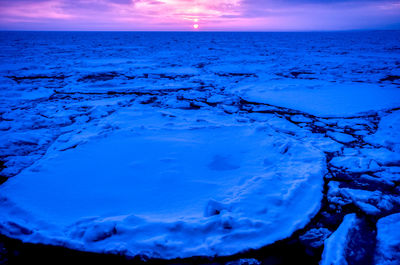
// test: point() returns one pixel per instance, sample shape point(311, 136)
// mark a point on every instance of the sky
point(199, 15)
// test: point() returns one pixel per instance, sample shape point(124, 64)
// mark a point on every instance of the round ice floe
point(167, 193)
point(322, 99)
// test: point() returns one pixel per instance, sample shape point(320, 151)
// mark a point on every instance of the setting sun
point(196, 26)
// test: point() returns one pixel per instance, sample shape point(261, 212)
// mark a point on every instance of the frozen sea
point(167, 145)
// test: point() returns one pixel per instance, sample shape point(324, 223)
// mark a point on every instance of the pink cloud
point(209, 14)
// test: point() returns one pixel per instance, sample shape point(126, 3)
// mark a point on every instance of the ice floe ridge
point(171, 151)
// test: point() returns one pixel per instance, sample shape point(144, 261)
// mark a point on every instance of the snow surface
point(388, 240)
point(388, 133)
point(325, 100)
point(168, 193)
point(179, 144)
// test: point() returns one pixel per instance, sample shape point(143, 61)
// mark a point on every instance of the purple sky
point(235, 15)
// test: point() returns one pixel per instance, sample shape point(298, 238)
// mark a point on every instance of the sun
point(196, 26)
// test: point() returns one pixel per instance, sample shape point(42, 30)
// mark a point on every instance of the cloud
point(212, 14)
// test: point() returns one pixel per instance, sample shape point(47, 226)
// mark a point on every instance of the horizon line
point(203, 31)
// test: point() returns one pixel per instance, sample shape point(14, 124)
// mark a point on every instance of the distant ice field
point(330, 74)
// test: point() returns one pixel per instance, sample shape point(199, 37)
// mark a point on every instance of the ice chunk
point(335, 245)
point(315, 237)
point(244, 262)
point(168, 193)
point(341, 137)
point(327, 100)
point(388, 133)
point(388, 240)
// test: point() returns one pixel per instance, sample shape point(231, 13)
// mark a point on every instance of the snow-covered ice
point(388, 133)
point(388, 237)
point(336, 245)
point(326, 100)
point(168, 192)
point(181, 144)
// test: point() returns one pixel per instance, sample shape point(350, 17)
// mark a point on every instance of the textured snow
point(341, 137)
point(179, 144)
point(388, 240)
point(167, 192)
point(388, 133)
point(325, 100)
